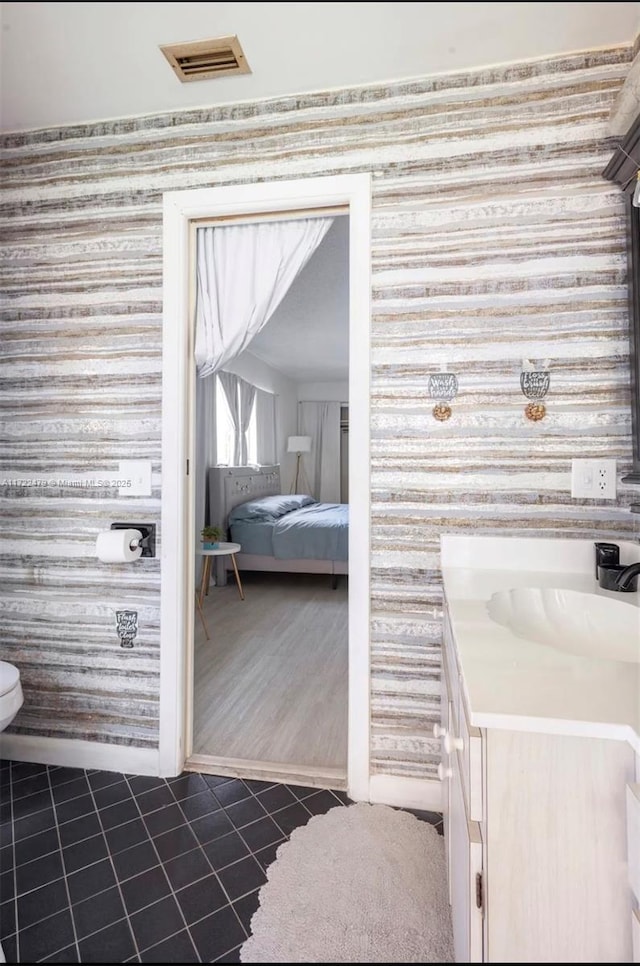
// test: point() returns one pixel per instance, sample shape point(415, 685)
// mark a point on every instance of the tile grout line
point(239, 830)
point(73, 799)
point(252, 853)
point(196, 922)
point(90, 864)
point(56, 784)
point(197, 848)
point(120, 851)
point(208, 860)
point(88, 936)
point(167, 784)
point(161, 863)
point(286, 838)
point(64, 867)
point(166, 938)
point(28, 892)
point(172, 936)
point(267, 815)
point(298, 801)
point(271, 815)
point(42, 855)
point(277, 785)
point(78, 817)
point(15, 867)
point(232, 950)
point(124, 906)
point(49, 915)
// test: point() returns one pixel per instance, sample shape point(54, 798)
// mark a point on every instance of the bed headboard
point(231, 485)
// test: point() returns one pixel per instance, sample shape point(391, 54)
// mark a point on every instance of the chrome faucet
point(626, 576)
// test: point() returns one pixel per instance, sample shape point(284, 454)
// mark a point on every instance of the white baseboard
point(406, 792)
point(75, 753)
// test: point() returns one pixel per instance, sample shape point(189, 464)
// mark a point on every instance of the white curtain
point(243, 273)
point(247, 396)
point(266, 427)
point(229, 383)
point(205, 452)
point(321, 421)
point(240, 396)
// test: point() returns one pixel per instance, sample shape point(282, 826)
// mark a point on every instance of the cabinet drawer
point(633, 837)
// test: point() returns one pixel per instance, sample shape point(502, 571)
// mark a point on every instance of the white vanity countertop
point(517, 684)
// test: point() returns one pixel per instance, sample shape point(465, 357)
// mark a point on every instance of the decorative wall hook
point(443, 387)
point(534, 383)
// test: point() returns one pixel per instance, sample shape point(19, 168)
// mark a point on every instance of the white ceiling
point(307, 337)
point(71, 62)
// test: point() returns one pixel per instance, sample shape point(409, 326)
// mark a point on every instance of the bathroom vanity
point(540, 738)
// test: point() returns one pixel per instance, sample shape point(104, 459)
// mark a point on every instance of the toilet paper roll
point(114, 546)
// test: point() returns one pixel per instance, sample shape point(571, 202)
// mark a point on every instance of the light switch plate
point(137, 473)
point(593, 479)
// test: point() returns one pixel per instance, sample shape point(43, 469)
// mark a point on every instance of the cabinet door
point(633, 837)
point(465, 865)
point(446, 724)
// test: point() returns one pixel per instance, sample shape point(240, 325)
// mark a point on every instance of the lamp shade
point(299, 444)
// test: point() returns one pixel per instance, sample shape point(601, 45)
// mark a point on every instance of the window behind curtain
point(225, 431)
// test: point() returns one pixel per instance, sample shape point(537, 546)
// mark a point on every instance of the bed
point(286, 533)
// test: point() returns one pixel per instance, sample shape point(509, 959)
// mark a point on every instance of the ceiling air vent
point(203, 59)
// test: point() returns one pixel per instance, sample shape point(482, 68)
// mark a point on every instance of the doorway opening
point(184, 738)
point(271, 634)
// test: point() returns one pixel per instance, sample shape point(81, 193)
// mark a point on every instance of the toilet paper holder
point(148, 531)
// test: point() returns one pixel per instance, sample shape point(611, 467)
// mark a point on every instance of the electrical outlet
point(593, 479)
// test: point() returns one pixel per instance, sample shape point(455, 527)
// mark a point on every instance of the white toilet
point(11, 698)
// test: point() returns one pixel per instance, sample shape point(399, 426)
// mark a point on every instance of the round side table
point(220, 551)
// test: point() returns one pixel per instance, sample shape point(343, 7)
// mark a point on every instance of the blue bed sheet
point(254, 536)
point(316, 532)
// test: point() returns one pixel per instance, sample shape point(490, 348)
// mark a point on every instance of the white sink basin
point(590, 625)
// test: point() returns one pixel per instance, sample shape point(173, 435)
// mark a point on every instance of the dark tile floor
point(98, 867)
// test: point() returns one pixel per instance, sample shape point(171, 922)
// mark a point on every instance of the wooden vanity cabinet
point(538, 836)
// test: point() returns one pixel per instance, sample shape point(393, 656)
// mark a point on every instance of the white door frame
point(177, 537)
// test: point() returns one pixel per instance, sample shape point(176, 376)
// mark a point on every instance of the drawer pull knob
point(444, 773)
point(439, 731)
point(452, 744)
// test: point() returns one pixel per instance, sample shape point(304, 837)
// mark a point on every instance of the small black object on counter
point(607, 555)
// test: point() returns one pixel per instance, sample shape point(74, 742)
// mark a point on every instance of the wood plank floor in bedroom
point(271, 684)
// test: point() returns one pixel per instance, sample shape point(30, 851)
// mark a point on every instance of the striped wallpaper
point(494, 239)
